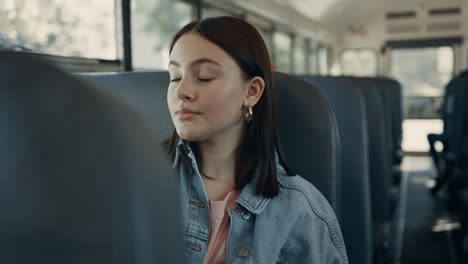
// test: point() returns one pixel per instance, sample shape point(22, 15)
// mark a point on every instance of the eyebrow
point(196, 62)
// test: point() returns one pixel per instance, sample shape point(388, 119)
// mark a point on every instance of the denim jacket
point(297, 226)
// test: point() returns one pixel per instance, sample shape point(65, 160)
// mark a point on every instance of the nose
point(185, 91)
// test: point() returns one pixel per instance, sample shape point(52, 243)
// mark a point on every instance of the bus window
point(300, 49)
point(323, 60)
point(282, 46)
point(214, 12)
point(84, 29)
point(312, 60)
point(267, 38)
point(359, 62)
point(423, 73)
point(153, 25)
point(265, 28)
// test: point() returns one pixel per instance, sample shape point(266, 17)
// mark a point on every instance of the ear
point(255, 89)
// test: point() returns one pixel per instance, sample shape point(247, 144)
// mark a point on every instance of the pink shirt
point(220, 223)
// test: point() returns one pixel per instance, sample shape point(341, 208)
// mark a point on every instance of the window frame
point(204, 5)
point(123, 31)
point(193, 13)
point(290, 35)
point(323, 71)
point(406, 113)
point(300, 42)
point(82, 64)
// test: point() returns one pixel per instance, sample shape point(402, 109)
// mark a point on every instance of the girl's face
point(207, 90)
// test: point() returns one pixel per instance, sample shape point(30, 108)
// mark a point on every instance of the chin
point(190, 135)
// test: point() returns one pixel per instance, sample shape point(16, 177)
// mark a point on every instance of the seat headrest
point(349, 109)
point(309, 134)
point(145, 92)
point(82, 180)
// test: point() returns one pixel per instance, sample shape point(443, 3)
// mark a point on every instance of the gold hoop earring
point(248, 114)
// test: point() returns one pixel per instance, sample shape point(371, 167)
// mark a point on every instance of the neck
point(219, 158)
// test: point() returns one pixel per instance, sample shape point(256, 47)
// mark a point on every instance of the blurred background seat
point(348, 107)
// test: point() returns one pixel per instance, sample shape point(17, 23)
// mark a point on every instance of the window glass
point(266, 36)
point(214, 12)
point(282, 47)
point(85, 28)
point(359, 62)
point(423, 74)
point(300, 56)
point(264, 28)
point(323, 61)
point(154, 23)
point(313, 61)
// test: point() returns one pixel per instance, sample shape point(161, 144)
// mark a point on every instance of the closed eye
point(205, 79)
point(175, 80)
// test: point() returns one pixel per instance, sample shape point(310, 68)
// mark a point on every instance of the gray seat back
point(145, 92)
point(397, 113)
point(449, 107)
point(348, 106)
point(385, 91)
point(391, 92)
point(379, 157)
point(82, 179)
point(456, 121)
point(309, 135)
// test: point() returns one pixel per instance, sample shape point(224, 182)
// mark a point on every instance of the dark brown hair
point(260, 141)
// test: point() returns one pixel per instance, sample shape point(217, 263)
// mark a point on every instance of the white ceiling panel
point(339, 13)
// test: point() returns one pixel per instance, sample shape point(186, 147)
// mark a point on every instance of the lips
point(186, 113)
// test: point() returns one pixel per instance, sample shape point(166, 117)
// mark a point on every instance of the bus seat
point(145, 92)
point(397, 120)
point(82, 180)
point(309, 135)
point(460, 117)
point(348, 106)
point(442, 160)
point(386, 95)
point(390, 94)
point(459, 179)
point(457, 147)
point(449, 107)
point(391, 91)
point(449, 115)
point(379, 156)
point(454, 120)
point(383, 196)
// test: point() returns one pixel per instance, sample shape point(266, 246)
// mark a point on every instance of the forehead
point(192, 46)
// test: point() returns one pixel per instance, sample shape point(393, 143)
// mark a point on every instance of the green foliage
point(55, 26)
point(164, 18)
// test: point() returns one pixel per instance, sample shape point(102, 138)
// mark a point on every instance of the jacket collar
point(254, 203)
point(183, 148)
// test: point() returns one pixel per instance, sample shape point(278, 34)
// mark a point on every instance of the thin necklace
point(204, 174)
point(214, 179)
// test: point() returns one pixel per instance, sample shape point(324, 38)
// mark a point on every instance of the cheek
point(224, 104)
point(172, 104)
point(170, 98)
